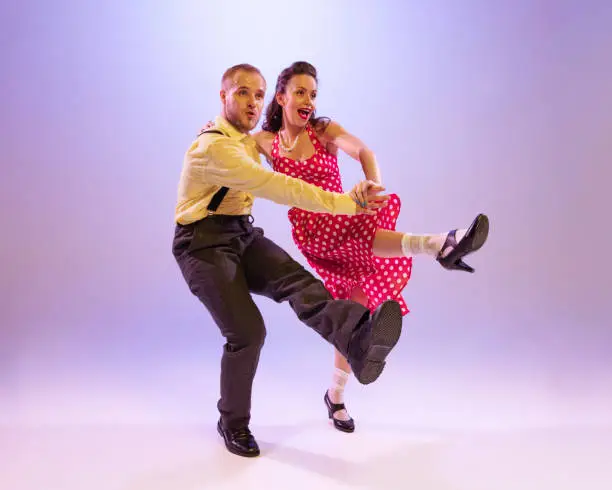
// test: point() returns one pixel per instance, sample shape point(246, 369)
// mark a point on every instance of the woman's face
point(299, 100)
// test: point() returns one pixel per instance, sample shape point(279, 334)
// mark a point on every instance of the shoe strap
point(334, 407)
point(451, 241)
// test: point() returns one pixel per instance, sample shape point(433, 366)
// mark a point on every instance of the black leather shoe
point(332, 408)
point(374, 341)
point(473, 240)
point(239, 441)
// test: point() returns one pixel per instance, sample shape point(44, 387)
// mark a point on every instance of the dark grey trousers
point(223, 260)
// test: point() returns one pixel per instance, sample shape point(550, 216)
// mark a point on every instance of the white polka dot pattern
point(339, 248)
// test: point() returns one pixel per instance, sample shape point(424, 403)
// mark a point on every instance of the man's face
point(243, 99)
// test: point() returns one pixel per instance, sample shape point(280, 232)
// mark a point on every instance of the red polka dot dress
point(339, 248)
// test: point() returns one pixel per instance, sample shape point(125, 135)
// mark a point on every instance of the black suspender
point(217, 198)
point(220, 194)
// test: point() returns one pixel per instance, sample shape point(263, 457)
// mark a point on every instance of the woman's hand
point(367, 195)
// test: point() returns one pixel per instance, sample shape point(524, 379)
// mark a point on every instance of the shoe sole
point(385, 334)
point(474, 239)
point(342, 429)
point(481, 233)
point(232, 450)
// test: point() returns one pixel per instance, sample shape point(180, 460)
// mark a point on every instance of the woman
point(362, 257)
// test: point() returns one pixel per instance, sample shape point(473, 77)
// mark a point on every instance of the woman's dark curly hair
point(273, 121)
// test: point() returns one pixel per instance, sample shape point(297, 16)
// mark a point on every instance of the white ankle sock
point(427, 244)
point(339, 379)
point(336, 391)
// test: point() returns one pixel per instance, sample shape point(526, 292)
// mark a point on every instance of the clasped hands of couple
point(367, 195)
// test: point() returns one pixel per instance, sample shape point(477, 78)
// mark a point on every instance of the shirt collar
point(229, 130)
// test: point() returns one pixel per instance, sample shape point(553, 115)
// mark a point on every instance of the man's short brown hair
point(230, 72)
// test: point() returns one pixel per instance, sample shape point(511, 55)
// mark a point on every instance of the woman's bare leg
point(342, 369)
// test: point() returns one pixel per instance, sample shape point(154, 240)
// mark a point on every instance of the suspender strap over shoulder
point(220, 194)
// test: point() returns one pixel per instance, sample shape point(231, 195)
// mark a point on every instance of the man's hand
point(367, 195)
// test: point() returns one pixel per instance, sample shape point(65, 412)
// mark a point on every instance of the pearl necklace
point(290, 148)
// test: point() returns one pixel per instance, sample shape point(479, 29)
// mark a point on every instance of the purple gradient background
point(499, 107)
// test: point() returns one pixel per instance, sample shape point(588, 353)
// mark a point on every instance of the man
point(224, 259)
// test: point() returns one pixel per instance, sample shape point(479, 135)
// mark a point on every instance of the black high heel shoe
point(474, 238)
point(332, 408)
